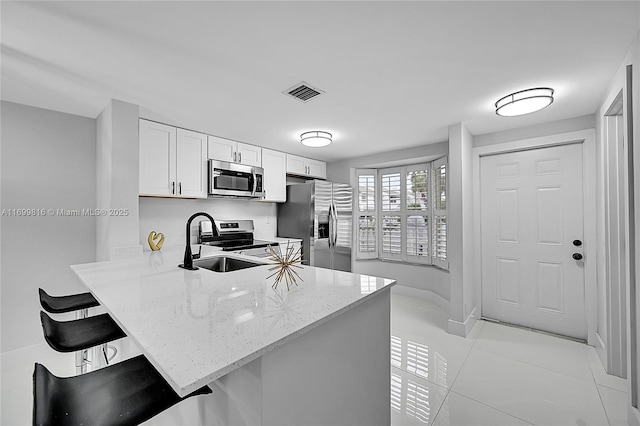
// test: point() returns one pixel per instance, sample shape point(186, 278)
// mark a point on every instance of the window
point(367, 235)
point(402, 213)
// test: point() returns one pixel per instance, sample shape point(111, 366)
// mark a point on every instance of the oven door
point(234, 180)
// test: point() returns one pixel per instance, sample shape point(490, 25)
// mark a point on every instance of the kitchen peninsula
point(317, 354)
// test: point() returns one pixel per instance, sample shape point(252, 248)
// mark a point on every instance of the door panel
point(532, 210)
point(342, 200)
point(321, 201)
point(508, 280)
point(342, 259)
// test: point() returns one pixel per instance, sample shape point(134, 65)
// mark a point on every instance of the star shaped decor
point(284, 264)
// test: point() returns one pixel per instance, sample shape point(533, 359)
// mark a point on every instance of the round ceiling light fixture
point(524, 102)
point(315, 139)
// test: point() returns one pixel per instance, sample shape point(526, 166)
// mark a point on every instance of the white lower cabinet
point(173, 162)
point(307, 167)
point(274, 164)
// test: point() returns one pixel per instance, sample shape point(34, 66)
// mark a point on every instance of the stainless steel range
point(234, 236)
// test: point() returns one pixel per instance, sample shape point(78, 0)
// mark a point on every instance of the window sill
point(401, 262)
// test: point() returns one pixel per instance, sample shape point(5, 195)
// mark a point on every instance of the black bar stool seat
point(62, 304)
point(70, 336)
point(126, 393)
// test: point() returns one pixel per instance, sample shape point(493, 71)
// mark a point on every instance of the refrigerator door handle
point(330, 236)
point(334, 216)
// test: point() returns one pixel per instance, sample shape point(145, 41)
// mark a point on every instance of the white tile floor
point(499, 375)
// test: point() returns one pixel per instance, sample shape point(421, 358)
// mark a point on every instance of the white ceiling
point(396, 74)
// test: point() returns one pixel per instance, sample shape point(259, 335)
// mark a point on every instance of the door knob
point(576, 256)
point(577, 243)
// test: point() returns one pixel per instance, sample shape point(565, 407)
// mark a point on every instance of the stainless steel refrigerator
point(320, 213)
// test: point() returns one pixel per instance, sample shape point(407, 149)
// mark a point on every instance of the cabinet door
point(221, 149)
point(157, 158)
point(316, 168)
point(249, 154)
point(191, 160)
point(296, 165)
point(275, 175)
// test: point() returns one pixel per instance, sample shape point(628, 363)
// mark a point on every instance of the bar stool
point(75, 335)
point(80, 303)
point(62, 304)
point(127, 393)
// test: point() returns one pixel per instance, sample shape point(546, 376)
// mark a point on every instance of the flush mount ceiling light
point(315, 138)
point(524, 102)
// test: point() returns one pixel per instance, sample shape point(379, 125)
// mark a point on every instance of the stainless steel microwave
point(235, 180)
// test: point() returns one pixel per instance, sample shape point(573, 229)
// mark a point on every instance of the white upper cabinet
point(234, 152)
point(274, 180)
point(157, 158)
point(301, 166)
point(172, 161)
point(249, 154)
point(191, 160)
point(221, 149)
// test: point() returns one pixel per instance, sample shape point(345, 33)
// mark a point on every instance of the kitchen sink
point(224, 264)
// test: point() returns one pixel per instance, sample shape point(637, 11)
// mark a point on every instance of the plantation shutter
point(439, 250)
point(366, 207)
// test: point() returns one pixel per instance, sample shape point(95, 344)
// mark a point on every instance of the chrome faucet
point(188, 256)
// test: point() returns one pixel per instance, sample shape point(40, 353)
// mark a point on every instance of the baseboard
point(418, 293)
point(633, 416)
point(601, 351)
point(463, 329)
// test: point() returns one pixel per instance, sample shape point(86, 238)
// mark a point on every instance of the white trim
point(462, 329)
point(633, 416)
point(418, 293)
point(588, 139)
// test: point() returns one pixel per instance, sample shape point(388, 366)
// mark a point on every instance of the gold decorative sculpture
point(156, 240)
point(284, 264)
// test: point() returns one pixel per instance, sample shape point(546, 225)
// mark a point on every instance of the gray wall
point(545, 129)
point(47, 162)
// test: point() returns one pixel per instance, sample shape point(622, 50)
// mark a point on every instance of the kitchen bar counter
point(198, 326)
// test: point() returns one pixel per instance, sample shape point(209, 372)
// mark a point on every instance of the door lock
point(577, 256)
point(577, 243)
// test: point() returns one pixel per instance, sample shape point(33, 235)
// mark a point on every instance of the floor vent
point(303, 92)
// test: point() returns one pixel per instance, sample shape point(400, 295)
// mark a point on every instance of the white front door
point(531, 217)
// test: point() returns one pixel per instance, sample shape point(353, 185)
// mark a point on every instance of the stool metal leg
point(82, 356)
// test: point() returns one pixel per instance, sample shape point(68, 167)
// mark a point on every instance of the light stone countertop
point(197, 326)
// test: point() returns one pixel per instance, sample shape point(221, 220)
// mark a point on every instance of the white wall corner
point(463, 328)
point(117, 163)
point(460, 220)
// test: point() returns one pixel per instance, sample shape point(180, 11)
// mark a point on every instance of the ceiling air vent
point(303, 92)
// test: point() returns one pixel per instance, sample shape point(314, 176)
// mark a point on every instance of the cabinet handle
point(180, 188)
point(173, 188)
point(239, 157)
point(234, 157)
